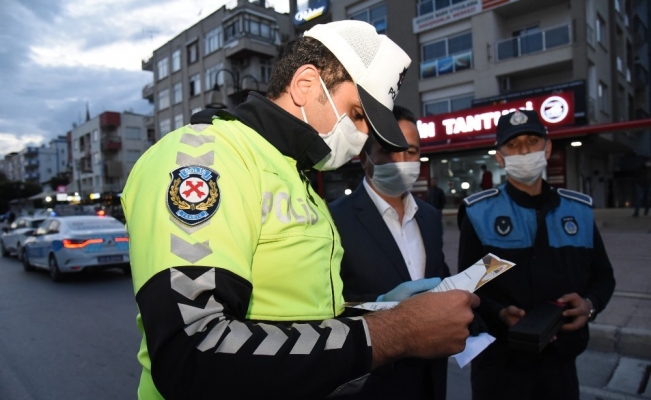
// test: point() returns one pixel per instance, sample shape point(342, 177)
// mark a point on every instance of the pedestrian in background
point(435, 195)
point(643, 187)
point(486, 179)
point(393, 248)
point(559, 256)
point(235, 258)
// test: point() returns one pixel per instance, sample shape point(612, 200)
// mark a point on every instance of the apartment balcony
point(31, 163)
point(538, 42)
point(109, 120)
point(148, 64)
point(148, 92)
point(84, 165)
point(446, 65)
point(32, 176)
point(245, 45)
point(111, 144)
point(31, 151)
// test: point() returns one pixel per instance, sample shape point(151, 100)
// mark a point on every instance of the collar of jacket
point(548, 199)
point(291, 136)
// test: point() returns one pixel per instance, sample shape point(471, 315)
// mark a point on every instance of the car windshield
point(95, 224)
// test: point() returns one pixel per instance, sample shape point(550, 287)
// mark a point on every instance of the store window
point(448, 55)
point(444, 106)
point(376, 16)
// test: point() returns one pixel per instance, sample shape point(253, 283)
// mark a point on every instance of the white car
point(76, 243)
point(14, 236)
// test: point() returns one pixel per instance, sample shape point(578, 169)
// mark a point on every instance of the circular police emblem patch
point(193, 196)
point(570, 226)
point(503, 225)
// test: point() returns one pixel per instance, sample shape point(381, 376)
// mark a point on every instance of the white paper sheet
point(474, 346)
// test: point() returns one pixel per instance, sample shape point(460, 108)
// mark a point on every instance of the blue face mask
point(394, 179)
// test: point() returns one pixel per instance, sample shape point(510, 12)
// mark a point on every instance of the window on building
point(429, 6)
point(132, 156)
point(163, 99)
point(95, 135)
point(600, 30)
point(447, 55)
point(259, 27)
point(444, 106)
point(76, 144)
point(178, 121)
point(602, 94)
point(193, 52)
point(97, 160)
point(176, 60)
point(265, 70)
point(376, 16)
point(164, 127)
point(132, 132)
point(195, 85)
point(212, 74)
point(231, 30)
point(213, 40)
point(162, 68)
point(177, 93)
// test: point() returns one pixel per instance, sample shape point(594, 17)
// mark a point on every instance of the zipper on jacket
point(332, 235)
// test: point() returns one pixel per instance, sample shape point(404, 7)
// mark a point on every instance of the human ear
point(548, 150)
point(303, 84)
point(499, 158)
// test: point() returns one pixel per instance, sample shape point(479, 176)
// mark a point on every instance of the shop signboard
point(307, 10)
point(554, 109)
point(454, 12)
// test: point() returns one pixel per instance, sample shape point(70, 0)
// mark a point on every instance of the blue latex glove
point(409, 288)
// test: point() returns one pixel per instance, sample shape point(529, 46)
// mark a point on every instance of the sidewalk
point(618, 361)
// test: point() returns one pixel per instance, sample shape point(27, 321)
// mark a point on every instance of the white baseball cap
point(378, 67)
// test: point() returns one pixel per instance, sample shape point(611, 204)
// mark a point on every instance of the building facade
point(582, 64)
point(104, 149)
point(215, 62)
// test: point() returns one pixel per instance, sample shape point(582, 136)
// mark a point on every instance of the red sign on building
point(554, 110)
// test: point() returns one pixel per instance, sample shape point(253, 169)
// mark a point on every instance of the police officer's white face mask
point(394, 179)
point(344, 140)
point(526, 168)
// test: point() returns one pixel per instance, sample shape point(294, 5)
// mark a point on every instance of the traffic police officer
point(551, 237)
point(235, 258)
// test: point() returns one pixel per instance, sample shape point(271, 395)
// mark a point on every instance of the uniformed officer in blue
point(551, 236)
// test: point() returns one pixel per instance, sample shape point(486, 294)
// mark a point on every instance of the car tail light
point(79, 243)
point(121, 239)
point(101, 213)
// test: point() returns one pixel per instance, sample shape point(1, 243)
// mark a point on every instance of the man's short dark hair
point(403, 114)
point(305, 50)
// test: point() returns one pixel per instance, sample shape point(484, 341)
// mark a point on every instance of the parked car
point(72, 244)
point(15, 234)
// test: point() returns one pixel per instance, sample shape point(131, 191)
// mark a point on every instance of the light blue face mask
point(394, 179)
point(344, 140)
point(526, 168)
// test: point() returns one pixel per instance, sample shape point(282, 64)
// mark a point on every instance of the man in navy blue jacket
point(551, 236)
point(392, 241)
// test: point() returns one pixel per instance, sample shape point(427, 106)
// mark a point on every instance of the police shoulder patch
point(193, 195)
point(570, 226)
point(577, 196)
point(474, 198)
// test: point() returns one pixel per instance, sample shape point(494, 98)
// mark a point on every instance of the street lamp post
point(217, 99)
